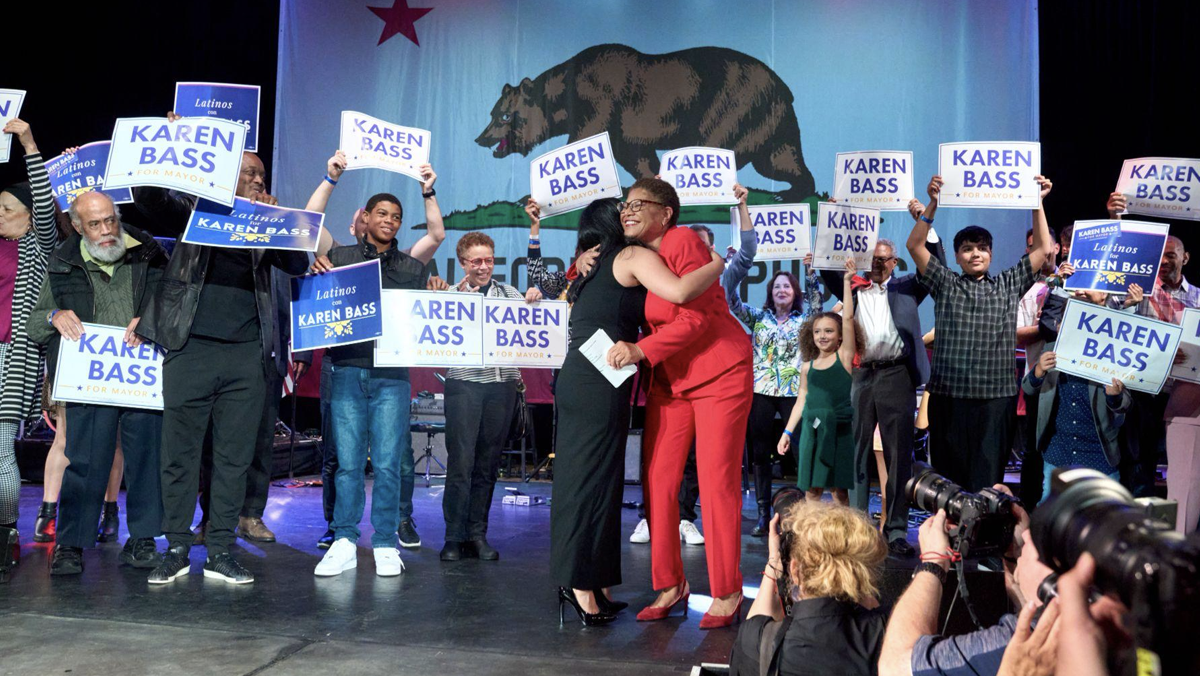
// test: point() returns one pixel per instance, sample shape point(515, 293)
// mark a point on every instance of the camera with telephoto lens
point(980, 524)
point(1154, 570)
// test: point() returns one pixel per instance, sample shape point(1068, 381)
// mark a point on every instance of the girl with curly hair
point(828, 344)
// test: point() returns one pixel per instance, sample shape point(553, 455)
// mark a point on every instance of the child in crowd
point(1077, 420)
point(828, 345)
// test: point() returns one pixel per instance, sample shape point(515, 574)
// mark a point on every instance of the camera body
point(981, 524)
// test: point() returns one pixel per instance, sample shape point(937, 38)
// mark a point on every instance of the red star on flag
point(399, 18)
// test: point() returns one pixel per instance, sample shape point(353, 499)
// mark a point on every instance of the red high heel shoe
point(717, 621)
point(652, 613)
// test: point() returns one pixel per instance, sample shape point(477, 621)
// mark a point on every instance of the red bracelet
point(950, 555)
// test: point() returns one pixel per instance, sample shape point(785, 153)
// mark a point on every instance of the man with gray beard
point(105, 273)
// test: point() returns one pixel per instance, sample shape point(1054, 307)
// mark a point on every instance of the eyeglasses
point(481, 262)
point(636, 205)
point(880, 260)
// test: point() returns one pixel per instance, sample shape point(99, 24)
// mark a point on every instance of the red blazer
point(690, 345)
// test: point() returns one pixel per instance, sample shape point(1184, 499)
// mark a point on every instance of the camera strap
point(770, 645)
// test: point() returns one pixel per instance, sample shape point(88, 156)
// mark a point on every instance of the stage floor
point(450, 618)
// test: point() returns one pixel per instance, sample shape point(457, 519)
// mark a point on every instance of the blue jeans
point(1115, 475)
point(370, 413)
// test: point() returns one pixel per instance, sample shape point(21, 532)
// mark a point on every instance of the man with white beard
point(105, 273)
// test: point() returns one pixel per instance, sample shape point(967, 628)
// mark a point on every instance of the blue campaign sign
point(237, 103)
point(1099, 344)
point(1110, 255)
point(73, 175)
point(339, 307)
point(253, 225)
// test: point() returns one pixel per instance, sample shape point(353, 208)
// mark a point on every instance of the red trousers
point(714, 415)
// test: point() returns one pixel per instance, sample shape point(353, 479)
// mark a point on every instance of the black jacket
point(905, 294)
point(72, 287)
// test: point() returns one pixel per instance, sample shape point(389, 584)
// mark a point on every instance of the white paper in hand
point(596, 349)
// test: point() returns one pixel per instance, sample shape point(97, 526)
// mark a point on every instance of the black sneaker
point(326, 540)
point(47, 522)
point(66, 561)
point(140, 553)
point(408, 535)
point(480, 549)
point(224, 567)
point(175, 563)
point(452, 551)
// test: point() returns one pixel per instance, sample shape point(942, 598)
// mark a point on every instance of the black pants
point(478, 418)
point(329, 463)
point(689, 490)
point(885, 397)
point(258, 475)
point(1140, 439)
point(224, 383)
point(764, 440)
point(970, 439)
point(1032, 465)
point(91, 445)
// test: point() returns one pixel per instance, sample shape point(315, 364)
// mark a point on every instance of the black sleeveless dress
point(593, 423)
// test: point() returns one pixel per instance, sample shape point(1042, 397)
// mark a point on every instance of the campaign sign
point(700, 175)
point(990, 175)
point(1099, 344)
point(1189, 347)
point(339, 307)
point(73, 175)
point(1161, 186)
point(783, 231)
point(10, 107)
point(431, 328)
point(253, 225)
point(843, 230)
point(574, 175)
point(1111, 255)
point(874, 178)
point(197, 155)
point(372, 143)
point(100, 368)
point(238, 103)
point(529, 335)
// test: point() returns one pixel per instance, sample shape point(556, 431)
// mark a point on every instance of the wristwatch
point(429, 194)
point(931, 567)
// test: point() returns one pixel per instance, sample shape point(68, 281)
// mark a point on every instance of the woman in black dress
point(593, 416)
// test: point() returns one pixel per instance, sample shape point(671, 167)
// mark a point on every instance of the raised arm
point(43, 223)
point(849, 343)
point(921, 226)
point(320, 198)
point(646, 268)
point(435, 228)
point(1043, 244)
point(739, 266)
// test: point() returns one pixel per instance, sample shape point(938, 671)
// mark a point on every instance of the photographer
point(912, 644)
point(833, 558)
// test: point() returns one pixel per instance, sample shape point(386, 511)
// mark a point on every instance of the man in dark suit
point(894, 364)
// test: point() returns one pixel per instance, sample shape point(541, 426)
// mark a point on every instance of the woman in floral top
point(775, 328)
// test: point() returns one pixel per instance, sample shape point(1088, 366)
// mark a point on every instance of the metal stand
point(430, 429)
point(291, 480)
point(548, 463)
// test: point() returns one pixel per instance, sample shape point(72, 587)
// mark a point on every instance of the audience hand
point(1134, 295)
point(622, 354)
point(1065, 269)
point(428, 177)
point(20, 128)
point(1044, 184)
point(1082, 646)
point(585, 260)
point(435, 283)
point(1115, 389)
point(785, 443)
point(774, 560)
point(933, 539)
point(1045, 363)
point(808, 259)
point(740, 193)
point(915, 208)
point(320, 265)
point(132, 339)
point(172, 117)
point(336, 165)
point(533, 295)
point(934, 189)
point(534, 211)
point(851, 267)
point(68, 325)
point(1033, 653)
point(1116, 204)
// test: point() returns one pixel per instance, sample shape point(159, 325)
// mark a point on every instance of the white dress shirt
point(874, 316)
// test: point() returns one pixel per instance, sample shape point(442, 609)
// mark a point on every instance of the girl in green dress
point(828, 343)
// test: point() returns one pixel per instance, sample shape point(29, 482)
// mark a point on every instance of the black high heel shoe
point(567, 597)
point(607, 606)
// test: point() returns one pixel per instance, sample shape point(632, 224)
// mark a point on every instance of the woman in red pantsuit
point(700, 389)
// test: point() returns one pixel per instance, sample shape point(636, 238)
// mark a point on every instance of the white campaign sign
point(990, 175)
point(197, 155)
point(1161, 186)
point(430, 328)
point(1189, 347)
point(700, 175)
point(10, 107)
point(575, 175)
point(529, 335)
point(874, 178)
point(843, 231)
point(783, 231)
point(1099, 344)
point(372, 143)
point(100, 368)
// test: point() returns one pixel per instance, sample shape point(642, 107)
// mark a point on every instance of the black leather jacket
point(168, 319)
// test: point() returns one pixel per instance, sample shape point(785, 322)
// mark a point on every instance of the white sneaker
point(387, 562)
point(689, 533)
point(342, 556)
point(641, 534)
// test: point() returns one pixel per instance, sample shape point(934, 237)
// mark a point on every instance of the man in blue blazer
point(894, 364)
